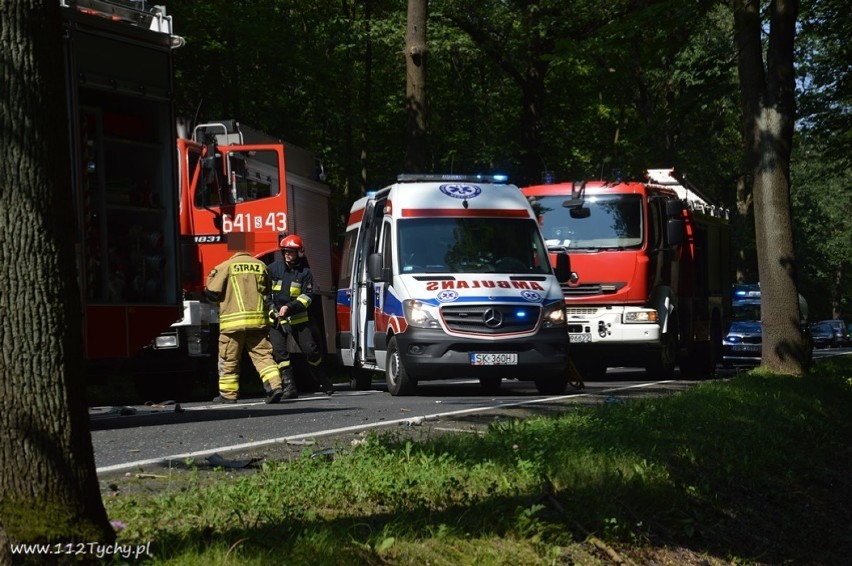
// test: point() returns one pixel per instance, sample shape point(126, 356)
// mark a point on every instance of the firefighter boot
point(288, 383)
point(325, 384)
point(274, 396)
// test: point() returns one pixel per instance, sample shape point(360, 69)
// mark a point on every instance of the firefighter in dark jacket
point(239, 285)
point(292, 294)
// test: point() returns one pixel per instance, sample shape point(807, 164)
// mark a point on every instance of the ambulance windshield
point(613, 222)
point(471, 245)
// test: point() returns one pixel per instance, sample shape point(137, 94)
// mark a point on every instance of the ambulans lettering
point(246, 268)
point(483, 284)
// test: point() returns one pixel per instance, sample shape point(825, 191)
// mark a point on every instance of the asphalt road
point(144, 437)
point(127, 438)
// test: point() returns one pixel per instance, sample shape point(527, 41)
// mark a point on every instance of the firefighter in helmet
point(292, 294)
point(239, 284)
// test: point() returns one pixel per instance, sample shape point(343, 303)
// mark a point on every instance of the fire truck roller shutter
point(310, 218)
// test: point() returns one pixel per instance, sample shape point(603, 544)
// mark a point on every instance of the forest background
point(578, 88)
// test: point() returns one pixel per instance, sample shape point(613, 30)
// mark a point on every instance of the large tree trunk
point(768, 101)
point(415, 88)
point(48, 487)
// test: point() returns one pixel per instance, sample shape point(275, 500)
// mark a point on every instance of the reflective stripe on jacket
point(293, 287)
point(239, 285)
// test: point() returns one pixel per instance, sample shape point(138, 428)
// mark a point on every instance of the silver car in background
point(742, 344)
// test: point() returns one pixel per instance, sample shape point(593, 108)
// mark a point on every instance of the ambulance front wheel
point(399, 382)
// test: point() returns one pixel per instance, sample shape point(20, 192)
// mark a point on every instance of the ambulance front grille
point(491, 319)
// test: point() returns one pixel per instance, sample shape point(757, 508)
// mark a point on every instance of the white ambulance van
point(447, 276)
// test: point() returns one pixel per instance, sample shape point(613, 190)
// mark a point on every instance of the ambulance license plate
point(493, 359)
point(580, 337)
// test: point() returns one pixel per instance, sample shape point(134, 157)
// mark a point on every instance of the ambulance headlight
point(419, 314)
point(640, 317)
point(554, 315)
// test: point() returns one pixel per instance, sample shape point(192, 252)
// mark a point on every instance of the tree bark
point(768, 105)
point(366, 102)
point(48, 486)
point(415, 89)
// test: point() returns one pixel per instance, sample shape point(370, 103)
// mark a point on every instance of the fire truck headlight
point(641, 317)
point(554, 315)
point(418, 314)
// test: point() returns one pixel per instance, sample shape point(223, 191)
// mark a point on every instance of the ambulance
point(448, 276)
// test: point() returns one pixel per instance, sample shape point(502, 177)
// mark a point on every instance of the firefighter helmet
point(291, 241)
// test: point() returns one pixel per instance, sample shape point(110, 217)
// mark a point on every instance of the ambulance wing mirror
point(562, 269)
point(376, 270)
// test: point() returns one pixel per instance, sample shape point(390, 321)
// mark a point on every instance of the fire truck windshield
point(471, 245)
point(613, 222)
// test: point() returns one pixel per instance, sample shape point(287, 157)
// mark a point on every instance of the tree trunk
point(48, 486)
point(366, 102)
point(533, 92)
point(768, 103)
point(415, 88)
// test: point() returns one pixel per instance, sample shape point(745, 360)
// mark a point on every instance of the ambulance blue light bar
point(435, 178)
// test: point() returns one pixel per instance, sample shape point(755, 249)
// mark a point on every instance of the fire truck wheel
point(360, 379)
point(490, 385)
point(552, 385)
point(399, 382)
point(661, 361)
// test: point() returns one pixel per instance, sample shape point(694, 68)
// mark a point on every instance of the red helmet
point(291, 241)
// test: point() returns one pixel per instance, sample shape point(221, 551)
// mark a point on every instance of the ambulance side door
point(380, 290)
point(363, 294)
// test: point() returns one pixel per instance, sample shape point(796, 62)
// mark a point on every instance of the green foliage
point(820, 170)
point(625, 86)
point(706, 464)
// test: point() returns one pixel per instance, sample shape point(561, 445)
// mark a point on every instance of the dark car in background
point(841, 332)
point(742, 344)
point(823, 335)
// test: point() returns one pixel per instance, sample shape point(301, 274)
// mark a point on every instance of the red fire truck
point(236, 182)
point(651, 283)
point(155, 207)
point(119, 95)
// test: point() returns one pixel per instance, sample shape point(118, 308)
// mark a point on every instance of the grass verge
point(754, 470)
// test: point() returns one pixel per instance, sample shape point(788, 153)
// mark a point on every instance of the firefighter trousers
point(231, 345)
point(303, 334)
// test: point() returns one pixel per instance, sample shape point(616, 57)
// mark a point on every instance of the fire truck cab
point(651, 272)
point(237, 182)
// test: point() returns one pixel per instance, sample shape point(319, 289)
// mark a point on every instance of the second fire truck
point(651, 283)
